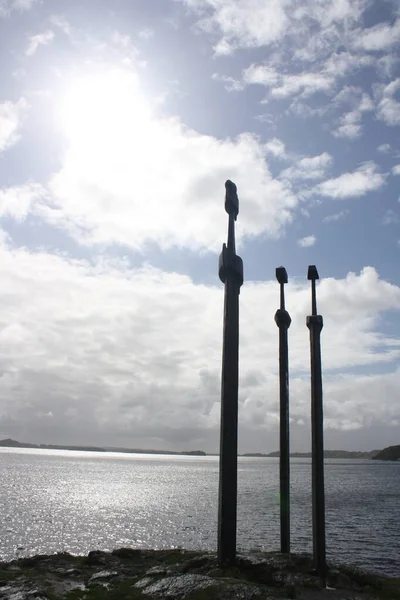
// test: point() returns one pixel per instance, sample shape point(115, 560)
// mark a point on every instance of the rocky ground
point(183, 575)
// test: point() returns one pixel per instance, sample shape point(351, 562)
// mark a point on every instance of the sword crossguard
point(230, 261)
point(282, 318)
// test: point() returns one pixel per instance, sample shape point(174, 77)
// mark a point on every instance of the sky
point(119, 124)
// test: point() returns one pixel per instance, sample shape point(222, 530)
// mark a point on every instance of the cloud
point(242, 24)
point(285, 85)
point(265, 118)
point(61, 22)
point(8, 6)
point(388, 109)
point(351, 185)
point(22, 5)
point(323, 78)
point(335, 216)
point(387, 65)
point(310, 167)
point(307, 242)
point(18, 201)
point(146, 33)
point(390, 218)
point(130, 177)
point(254, 23)
point(379, 37)
point(11, 117)
point(139, 363)
point(129, 52)
point(230, 83)
point(275, 147)
point(343, 413)
point(260, 74)
point(396, 170)
point(384, 148)
point(349, 126)
point(350, 122)
point(304, 83)
point(41, 39)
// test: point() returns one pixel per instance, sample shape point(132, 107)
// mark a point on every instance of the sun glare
point(104, 109)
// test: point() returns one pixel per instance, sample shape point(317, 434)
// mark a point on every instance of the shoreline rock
point(129, 573)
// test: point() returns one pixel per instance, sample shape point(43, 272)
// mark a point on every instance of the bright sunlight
point(105, 109)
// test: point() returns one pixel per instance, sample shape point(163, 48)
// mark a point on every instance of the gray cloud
point(111, 355)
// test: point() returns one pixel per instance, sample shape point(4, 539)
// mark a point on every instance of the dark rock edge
point(129, 573)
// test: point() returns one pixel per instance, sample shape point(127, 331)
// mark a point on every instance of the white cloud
point(335, 216)
point(358, 412)
point(350, 126)
point(8, 6)
point(285, 85)
point(307, 242)
point(379, 37)
point(350, 122)
point(146, 33)
point(390, 218)
point(22, 5)
point(387, 65)
point(304, 83)
point(275, 147)
point(129, 52)
point(140, 365)
point(243, 23)
point(41, 39)
point(265, 118)
point(384, 148)
point(61, 22)
point(230, 83)
point(18, 201)
point(388, 109)
point(323, 78)
point(340, 64)
point(366, 103)
point(310, 167)
point(254, 23)
point(130, 177)
point(350, 185)
point(260, 74)
point(11, 117)
point(396, 170)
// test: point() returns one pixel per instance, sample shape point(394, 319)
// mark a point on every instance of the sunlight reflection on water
point(79, 501)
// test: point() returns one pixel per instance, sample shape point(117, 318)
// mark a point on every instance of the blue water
point(55, 500)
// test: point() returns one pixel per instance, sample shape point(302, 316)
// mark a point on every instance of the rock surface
point(129, 573)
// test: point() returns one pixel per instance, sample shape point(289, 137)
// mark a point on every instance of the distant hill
point(389, 453)
point(327, 454)
point(9, 443)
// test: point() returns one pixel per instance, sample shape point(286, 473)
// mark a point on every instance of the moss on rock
point(133, 574)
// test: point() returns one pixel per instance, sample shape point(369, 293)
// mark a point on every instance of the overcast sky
point(119, 124)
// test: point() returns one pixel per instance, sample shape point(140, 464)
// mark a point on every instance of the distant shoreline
point(10, 443)
point(327, 454)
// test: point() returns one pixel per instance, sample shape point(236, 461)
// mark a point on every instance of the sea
point(55, 500)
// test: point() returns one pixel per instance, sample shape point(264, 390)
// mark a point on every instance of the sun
point(104, 109)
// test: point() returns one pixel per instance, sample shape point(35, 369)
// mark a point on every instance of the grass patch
point(390, 590)
point(119, 590)
point(174, 557)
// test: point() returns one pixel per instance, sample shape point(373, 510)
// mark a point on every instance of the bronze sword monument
point(283, 320)
point(231, 275)
point(315, 324)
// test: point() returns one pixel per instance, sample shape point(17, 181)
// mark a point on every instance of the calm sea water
point(79, 501)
